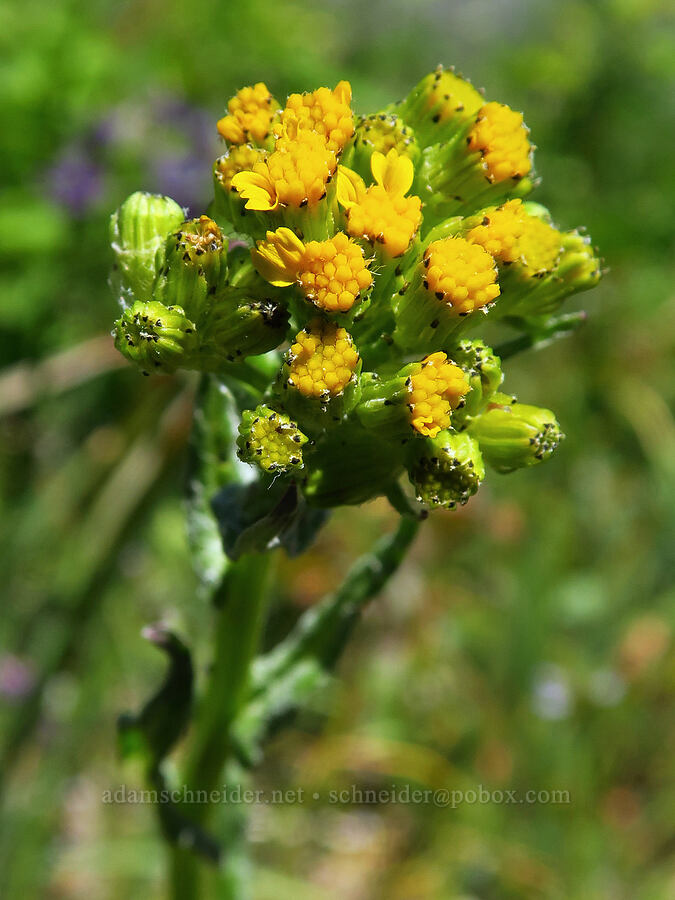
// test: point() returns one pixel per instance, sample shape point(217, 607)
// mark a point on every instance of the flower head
point(331, 274)
point(237, 159)
point(325, 112)
point(460, 274)
point(501, 137)
point(270, 439)
point(296, 173)
point(435, 390)
point(250, 114)
point(384, 132)
point(511, 234)
point(382, 213)
point(322, 360)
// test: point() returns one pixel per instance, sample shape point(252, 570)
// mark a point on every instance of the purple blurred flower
point(17, 677)
point(75, 181)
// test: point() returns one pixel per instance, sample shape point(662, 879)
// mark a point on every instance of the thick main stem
point(240, 605)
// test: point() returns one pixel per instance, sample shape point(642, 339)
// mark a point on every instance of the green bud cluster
point(338, 282)
point(183, 307)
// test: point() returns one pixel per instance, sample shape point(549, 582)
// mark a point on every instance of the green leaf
point(271, 708)
point(153, 732)
point(266, 513)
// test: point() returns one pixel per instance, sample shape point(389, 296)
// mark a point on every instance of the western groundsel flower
point(376, 246)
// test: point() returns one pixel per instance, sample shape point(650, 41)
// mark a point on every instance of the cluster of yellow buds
point(340, 275)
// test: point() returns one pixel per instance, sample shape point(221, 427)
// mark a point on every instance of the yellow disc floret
point(385, 132)
point(326, 112)
point(301, 167)
point(510, 234)
point(387, 219)
point(501, 137)
point(460, 274)
point(540, 246)
point(250, 114)
point(322, 360)
point(500, 231)
point(435, 390)
point(237, 159)
point(334, 273)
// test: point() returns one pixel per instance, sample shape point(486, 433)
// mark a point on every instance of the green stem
point(240, 605)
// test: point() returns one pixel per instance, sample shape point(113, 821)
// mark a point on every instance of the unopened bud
point(446, 470)
point(195, 267)
point(515, 435)
point(138, 231)
point(236, 328)
point(439, 106)
point(156, 337)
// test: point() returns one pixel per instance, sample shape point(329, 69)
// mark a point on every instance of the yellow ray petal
point(343, 92)
point(278, 258)
point(395, 173)
point(257, 189)
point(350, 187)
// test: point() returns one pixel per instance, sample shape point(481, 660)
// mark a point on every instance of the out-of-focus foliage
point(525, 646)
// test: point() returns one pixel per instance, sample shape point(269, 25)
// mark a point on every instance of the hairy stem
point(240, 603)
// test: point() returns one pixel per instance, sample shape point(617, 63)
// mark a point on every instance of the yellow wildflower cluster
point(338, 275)
point(462, 275)
point(322, 360)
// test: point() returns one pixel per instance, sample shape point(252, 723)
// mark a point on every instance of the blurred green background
point(527, 643)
